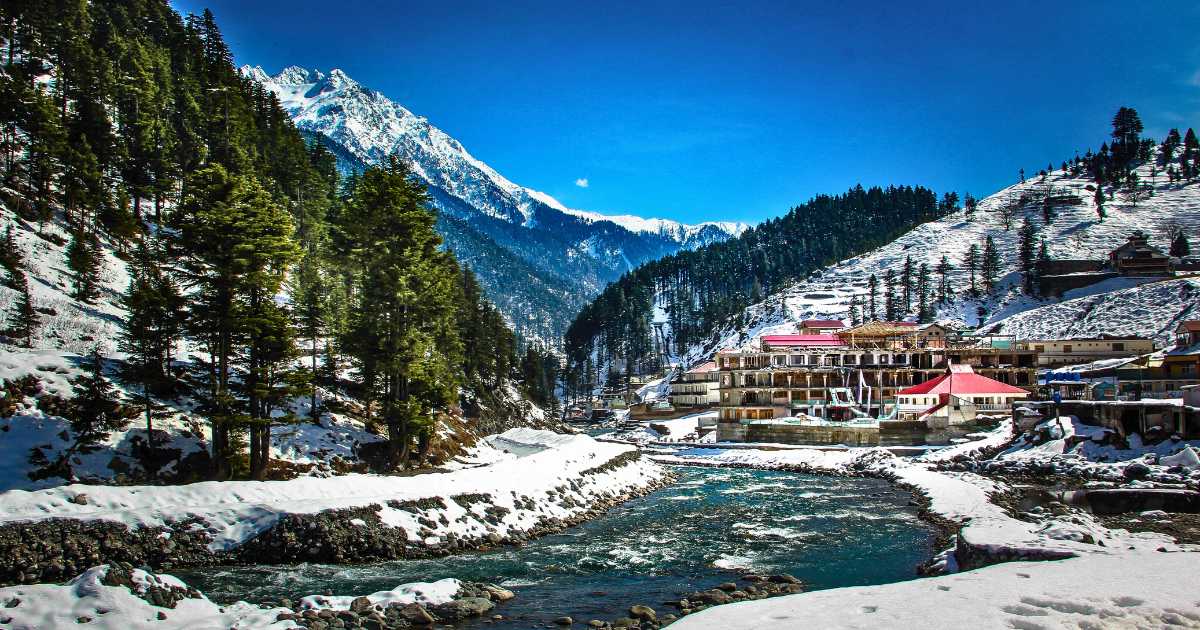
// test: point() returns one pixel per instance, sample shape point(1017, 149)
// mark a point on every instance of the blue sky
point(737, 111)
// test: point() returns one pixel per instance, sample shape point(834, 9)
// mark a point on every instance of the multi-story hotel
point(856, 372)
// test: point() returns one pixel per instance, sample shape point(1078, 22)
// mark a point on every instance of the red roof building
point(819, 326)
point(960, 382)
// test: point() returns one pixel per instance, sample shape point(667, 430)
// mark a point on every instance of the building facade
point(698, 387)
point(1058, 352)
point(856, 373)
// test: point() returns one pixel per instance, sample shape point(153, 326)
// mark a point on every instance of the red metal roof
point(1191, 325)
point(802, 340)
point(960, 381)
point(703, 367)
point(823, 323)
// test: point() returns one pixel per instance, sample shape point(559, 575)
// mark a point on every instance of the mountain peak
point(255, 73)
point(296, 75)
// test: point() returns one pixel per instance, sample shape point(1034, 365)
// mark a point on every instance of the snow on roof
point(801, 340)
point(961, 379)
point(823, 323)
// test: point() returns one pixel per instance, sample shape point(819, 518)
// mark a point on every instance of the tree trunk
point(312, 403)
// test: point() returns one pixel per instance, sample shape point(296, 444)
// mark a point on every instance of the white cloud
point(582, 182)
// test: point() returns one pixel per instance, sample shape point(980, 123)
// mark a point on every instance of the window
point(1118, 347)
point(1066, 349)
point(1039, 348)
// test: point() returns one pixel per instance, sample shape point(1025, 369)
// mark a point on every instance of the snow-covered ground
point(525, 463)
point(90, 599)
point(1093, 592)
point(1151, 310)
point(671, 430)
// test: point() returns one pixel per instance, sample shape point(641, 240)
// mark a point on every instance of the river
point(709, 527)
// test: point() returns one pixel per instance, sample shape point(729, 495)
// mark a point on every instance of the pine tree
point(236, 246)
point(404, 326)
point(943, 270)
point(1027, 252)
point(890, 306)
point(872, 293)
point(924, 313)
point(94, 410)
point(83, 259)
point(150, 331)
point(24, 320)
point(989, 266)
point(12, 260)
point(855, 310)
point(1098, 199)
point(309, 291)
point(906, 283)
point(970, 204)
point(1180, 246)
point(971, 264)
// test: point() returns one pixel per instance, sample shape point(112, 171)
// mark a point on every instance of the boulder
point(563, 621)
point(416, 615)
point(465, 608)
point(361, 605)
point(498, 594)
point(645, 613)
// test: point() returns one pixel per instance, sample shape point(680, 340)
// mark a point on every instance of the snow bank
point(425, 593)
point(45, 606)
point(1094, 592)
point(232, 512)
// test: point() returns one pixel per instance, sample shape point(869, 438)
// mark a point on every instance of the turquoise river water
point(708, 528)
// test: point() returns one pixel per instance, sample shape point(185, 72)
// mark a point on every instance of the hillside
point(1152, 310)
point(1075, 232)
point(188, 290)
point(559, 246)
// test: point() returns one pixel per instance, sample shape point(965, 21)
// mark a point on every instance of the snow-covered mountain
point(1075, 232)
point(538, 259)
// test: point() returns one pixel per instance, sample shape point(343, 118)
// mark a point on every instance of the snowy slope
point(1151, 310)
point(537, 259)
point(1075, 233)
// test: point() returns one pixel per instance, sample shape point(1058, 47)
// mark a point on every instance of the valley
point(278, 351)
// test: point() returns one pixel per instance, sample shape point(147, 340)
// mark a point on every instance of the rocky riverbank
point(539, 483)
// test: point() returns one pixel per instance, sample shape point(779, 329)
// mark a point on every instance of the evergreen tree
point(943, 270)
point(1098, 199)
point(890, 307)
point(12, 260)
point(404, 325)
point(906, 282)
point(855, 310)
point(989, 265)
point(970, 204)
point(971, 264)
point(24, 320)
point(1027, 252)
point(236, 246)
point(1180, 246)
point(872, 293)
point(94, 410)
point(151, 330)
point(924, 312)
point(83, 259)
